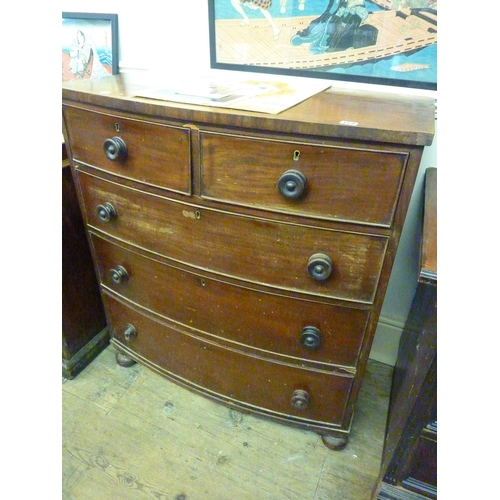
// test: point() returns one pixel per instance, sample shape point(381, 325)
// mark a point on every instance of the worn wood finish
point(428, 252)
point(228, 235)
point(409, 463)
point(269, 324)
point(265, 387)
point(148, 161)
point(232, 172)
point(410, 452)
point(167, 227)
point(130, 434)
point(379, 117)
point(84, 333)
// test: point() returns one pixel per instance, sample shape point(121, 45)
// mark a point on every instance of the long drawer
point(336, 183)
point(294, 257)
point(300, 394)
point(290, 329)
point(156, 154)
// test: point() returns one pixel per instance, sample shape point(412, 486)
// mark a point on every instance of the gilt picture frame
point(89, 45)
point(386, 42)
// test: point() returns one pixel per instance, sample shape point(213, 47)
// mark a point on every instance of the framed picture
point(387, 42)
point(89, 45)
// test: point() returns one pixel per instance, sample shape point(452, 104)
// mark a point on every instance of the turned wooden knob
point(106, 212)
point(130, 332)
point(118, 275)
point(310, 337)
point(300, 399)
point(115, 149)
point(292, 184)
point(320, 266)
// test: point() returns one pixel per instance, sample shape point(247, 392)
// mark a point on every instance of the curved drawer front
point(255, 250)
point(344, 184)
point(264, 385)
point(264, 323)
point(156, 154)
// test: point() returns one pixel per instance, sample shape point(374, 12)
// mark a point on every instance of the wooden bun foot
point(124, 360)
point(334, 443)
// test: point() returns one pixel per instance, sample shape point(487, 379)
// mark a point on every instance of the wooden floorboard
point(128, 433)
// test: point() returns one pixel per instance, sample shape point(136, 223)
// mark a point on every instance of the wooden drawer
point(256, 250)
point(156, 154)
point(341, 183)
point(235, 377)
point(263, 323)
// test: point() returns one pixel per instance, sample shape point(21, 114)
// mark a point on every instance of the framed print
point(89, 45)
point(387, 42)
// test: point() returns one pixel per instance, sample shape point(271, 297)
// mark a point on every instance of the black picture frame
point(313, 41)
point(86, 35)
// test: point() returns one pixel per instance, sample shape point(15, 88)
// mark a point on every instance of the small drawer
point(293, 257)
point(328, 182)
point(266, 324)
point(146, 152)
point(261, 385)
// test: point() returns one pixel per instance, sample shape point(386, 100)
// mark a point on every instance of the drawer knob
point(320, 266)
point(130, 332)
point(310, 337)
point(106, 212)
point(292, 184)
point(118, 275)
point(115, 149)
point(300, 399)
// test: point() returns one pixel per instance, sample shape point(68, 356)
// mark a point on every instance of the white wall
point(159, 36)
point(173, 37)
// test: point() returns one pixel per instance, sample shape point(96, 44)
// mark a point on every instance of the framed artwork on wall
point(89, 45)
point(387, 42)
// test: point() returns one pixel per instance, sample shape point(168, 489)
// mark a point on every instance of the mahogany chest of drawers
point(246, 255)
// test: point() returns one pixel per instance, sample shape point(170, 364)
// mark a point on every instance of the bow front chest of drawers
point(246, 255)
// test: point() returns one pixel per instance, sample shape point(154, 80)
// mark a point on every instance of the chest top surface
point(333, 113)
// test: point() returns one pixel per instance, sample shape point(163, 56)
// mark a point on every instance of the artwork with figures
point(89, 46)
point(390, 42)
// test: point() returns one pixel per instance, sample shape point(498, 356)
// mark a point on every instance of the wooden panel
point(252, 249)
point(428, 254)
point(263, 385)
point(254, 321)
point(245, 171)
point(424, 463)
point(83, 317)
point(157, 154)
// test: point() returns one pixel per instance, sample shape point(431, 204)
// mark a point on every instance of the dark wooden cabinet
point(246, 255)
point(84, 332)
point(409, 463)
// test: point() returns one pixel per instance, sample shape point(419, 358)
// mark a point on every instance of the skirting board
point(386, 342)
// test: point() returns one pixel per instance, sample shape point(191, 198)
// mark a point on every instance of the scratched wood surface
point(128, 433)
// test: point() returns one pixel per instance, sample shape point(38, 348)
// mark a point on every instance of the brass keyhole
point(117, 127)
point(296, 155)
